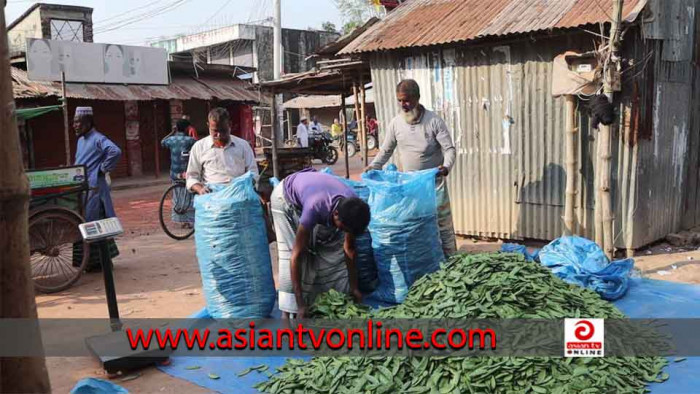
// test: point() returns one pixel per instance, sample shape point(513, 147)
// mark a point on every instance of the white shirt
point(303, 135)
point(316, 127)
point(209, 164)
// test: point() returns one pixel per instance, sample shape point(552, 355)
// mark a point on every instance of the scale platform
point(112, 349)
point(101, 346)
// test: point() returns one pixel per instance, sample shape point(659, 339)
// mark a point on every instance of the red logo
point(584, 330)
point(584, 337)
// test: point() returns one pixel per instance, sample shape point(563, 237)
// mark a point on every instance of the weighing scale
point(103, 346)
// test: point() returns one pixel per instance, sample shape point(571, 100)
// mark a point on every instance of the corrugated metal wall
point(509, 179)
point(664, 180)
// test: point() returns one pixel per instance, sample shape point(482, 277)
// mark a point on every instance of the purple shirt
point(317, 195)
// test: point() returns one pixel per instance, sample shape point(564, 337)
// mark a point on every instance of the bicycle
point(176, 211)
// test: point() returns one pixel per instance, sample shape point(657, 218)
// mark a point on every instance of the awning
point(181, 88)
point(316, 101)
point(29, 113)
point(334, 77)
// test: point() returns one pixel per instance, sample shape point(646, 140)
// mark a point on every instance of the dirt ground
point(157, 277)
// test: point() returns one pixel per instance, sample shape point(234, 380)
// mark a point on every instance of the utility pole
point(17, 374)
point(611, 83)
point(64, 107)
point(277, 64)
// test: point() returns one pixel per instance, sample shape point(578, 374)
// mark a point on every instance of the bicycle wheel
point(176, 212)
point(53, 232)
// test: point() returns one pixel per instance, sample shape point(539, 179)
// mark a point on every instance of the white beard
point(412, 116)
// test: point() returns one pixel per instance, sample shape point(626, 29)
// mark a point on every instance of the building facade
point(492, 83)
point(135, 117)
point(51, 22)
point(248, 46)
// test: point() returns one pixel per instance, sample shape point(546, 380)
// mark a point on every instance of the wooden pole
point(571, 166)
point(356, 94)
point(273, 136)
point(345, 136)
point(363, 112)
point(156, 143)
point(18, 374)
point(66, 128)
point(604, 137)
point(597, 209)
point(289, 125)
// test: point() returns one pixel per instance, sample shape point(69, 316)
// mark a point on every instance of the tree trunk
point(17, 375)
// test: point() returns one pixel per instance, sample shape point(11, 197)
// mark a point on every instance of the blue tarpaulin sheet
point(645, 299)
point(581, 262)
point(97, 386)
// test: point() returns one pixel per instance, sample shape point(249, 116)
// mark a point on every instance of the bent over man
point(317, 218)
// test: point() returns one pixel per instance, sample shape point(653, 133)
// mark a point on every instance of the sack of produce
point(404, 229)
point(364, 262)
point(233, 253)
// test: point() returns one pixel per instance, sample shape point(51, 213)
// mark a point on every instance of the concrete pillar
point(176, 111)
point(133, 140)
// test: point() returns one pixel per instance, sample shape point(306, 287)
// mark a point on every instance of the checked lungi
point(444, 215)
point(323, 266)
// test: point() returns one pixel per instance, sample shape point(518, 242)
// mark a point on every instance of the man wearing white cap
point(99, 155)
point(303, 132)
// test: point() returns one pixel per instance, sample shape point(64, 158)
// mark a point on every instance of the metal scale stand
point(111, 349)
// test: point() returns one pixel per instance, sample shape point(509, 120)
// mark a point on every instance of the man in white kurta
point(303, 132)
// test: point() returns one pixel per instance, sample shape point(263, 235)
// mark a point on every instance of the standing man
point(220, 157)
point(179, 145)
point(99, 155)
point(303, 132)
point(191, 131)
point(336, 129)
point(424, 142)
point(316, 218)
point(315, 126)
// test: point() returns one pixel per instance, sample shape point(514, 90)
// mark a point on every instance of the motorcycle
point(321, 143)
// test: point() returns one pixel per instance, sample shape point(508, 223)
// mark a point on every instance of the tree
point(350, 26)
point(356, 12)
point(329, 27)
point(19, 374)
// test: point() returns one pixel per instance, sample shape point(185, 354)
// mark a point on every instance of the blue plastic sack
point(404, 229)
point(233, 252)
point(580, 261)
point(364, 262)
point(97, 386)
